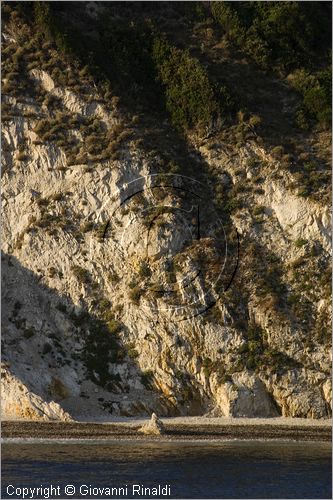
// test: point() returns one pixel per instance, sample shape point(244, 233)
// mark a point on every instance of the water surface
point(233, 469)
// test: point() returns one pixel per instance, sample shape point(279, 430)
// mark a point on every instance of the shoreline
point(176, 429)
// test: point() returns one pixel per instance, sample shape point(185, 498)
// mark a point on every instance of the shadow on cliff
point(32, 340)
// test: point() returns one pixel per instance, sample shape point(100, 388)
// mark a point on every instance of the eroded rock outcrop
point(18, 402)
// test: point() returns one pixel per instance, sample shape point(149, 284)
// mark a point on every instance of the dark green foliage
point(311, 179)
point(300, 242)
point(267, 274)
point(50, 24)
point(191, 99)
point(121, 52)
point(104, 305)
point(132, 352)
point(135, 294)
point(114, 278)
point(82, 275)
point(208, 366)
point(284, 34)
point(316, 90)
point(258, 210)
point(228, 18)
point(233, 203)
point(160, 75)
point(144, 271)
point(114, 326)
point(61, 307)
point(317, 103)
point(257, 354)
point(101, 347)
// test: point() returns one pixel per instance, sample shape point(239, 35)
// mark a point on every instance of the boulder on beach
point(153, 427)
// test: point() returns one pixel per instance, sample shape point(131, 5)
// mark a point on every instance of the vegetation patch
point(81, 274)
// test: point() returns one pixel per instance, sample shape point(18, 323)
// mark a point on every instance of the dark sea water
point(233, 469)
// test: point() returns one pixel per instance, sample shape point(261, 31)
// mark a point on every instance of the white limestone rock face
point(56, 269)
point(327, 390)
point(244, 396)
point(17, 402)
point(253, 399)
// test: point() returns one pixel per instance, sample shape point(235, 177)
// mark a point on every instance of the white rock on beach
point(153, 427)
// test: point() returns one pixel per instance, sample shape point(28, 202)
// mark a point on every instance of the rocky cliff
point(147, 271)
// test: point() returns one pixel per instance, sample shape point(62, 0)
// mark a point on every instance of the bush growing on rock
point(81, 274)
point(114, 326)
point(144, 271)
point(135, 294)
point(191, 98)
point(132, 353)
point(286, 36)
point(300, 242)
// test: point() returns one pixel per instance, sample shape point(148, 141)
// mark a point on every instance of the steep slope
point(147, 271)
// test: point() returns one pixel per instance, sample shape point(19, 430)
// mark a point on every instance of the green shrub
point(315, 89)
point(191, 98)
point(100, 350)
point(132, 353)
point(286, 35)
point(259, 210)
point(277, 151)
point(228, 19)
point(81, 274)
point(300, 242)
point(252, 350)
point(86, 227)
point(318, 103)
point(144, 271)
point(243, 348)
point(135, 294)
point(114, 326)
point(233, 204)
point(281, 34)
point(104, 304)
point(252, 162)
point(208, 366)
point(114, 278)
